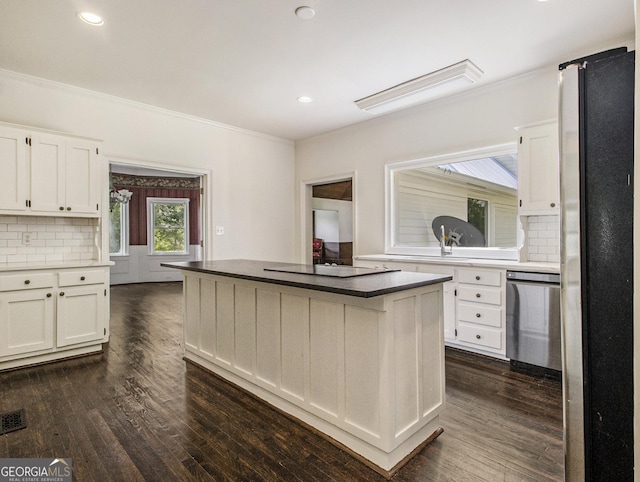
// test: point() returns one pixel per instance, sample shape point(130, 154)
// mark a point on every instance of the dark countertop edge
point(312, 286)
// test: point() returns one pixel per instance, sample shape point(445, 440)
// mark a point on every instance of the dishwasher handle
point(553, 278)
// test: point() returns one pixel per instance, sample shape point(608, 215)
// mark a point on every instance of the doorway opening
point(162, 221)
point(332, 222)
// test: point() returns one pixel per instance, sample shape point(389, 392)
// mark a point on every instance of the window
point(473, 194)
point(168, 225)
point(119, 230)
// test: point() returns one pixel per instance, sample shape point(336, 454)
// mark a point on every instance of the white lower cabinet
point(80, 315)
point(46, 315)
point(26, 321)
point(473, 301)
point(480, 314)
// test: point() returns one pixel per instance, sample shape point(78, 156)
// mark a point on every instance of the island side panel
point(356, 369)
point(432, 365)
point(325, 358)
point(294, 323)
point(268, 338)
point(362, 371)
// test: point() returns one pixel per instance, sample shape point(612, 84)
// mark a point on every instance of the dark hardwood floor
point(139, 412)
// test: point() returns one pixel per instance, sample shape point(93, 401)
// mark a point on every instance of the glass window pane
point(477, 214)
point(169, 240)
point(115, 230)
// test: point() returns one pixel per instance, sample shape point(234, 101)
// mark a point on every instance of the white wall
point(480, 118)
point(252, 175)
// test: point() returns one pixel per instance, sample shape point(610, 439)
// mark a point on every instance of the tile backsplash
point(51, 239)
point(543, 238)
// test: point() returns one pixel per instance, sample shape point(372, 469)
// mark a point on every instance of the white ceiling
point(245, 62)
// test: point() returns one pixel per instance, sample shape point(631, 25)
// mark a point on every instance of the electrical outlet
point(26, 238)
point(219, 230)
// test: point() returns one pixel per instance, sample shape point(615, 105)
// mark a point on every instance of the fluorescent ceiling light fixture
point(436, 84)
point(305, 99)
point(90, 18)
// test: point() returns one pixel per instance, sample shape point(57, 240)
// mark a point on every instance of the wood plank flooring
point(138, 412)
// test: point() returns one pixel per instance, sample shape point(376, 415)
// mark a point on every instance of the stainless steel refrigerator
point(596, 190)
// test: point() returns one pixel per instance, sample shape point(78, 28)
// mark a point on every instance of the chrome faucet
point(443, 248)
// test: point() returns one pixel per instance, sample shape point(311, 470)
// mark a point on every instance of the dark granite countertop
point(360, 282)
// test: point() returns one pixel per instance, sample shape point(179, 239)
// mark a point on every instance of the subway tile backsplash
point(52, 239)
point(543, 238)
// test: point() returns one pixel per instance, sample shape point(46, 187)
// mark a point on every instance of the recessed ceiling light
point(305, 99)
point(305, 13)
point(90, 18)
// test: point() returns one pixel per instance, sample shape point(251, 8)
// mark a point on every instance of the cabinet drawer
point(26, 281)
point(479, 313)
point(480, 277)
point(84, 277)
point(480, 294)
point(481, 336)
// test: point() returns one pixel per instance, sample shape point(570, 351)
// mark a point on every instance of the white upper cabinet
point(82, 187)
point(13, 159)
point(64, 175)
point(49, 174)
point(538, 177)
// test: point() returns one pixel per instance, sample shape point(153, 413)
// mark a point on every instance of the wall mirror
point(471, 196)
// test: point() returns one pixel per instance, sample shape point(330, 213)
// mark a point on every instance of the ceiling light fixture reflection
point(90, 18)
point(305, 99)
point(435, 84)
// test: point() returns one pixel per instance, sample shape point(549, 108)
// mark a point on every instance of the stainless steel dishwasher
point(533, 320)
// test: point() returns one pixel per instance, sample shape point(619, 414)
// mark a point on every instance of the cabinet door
point(47, 173)
point(13, 159)
point(26, 321)
point(81, 314)
point(538, 164)
point(81, 178)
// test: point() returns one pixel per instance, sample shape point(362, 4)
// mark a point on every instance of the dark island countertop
point(344, 280)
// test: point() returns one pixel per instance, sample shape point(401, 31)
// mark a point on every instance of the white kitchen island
point(354, 353)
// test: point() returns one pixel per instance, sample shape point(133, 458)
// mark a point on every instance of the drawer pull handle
point(478, 295)
point(478, 278)
point(27, 281)
point(68, 208)
point(478, 315)
point(553, 205)
point(62, 293)
point(48, 295)
point(61, 208)
point(82, 278)
point(478, 337)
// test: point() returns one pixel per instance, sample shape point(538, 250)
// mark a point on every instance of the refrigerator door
point(596, 172)
point(570, 284)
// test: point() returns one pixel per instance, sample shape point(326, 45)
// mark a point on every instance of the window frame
point(151, 202)
point(124, 231)
point(391, 245)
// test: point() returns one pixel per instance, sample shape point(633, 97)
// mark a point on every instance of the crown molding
point(60, 86)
